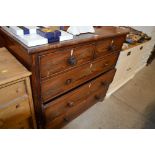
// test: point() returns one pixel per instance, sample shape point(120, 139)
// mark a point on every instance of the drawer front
point(108, 46)
point(11, 92)
point(118, 42)
point(24, 124)
point(65, 118)
point(15, 112)
point(85, 95)
point(64, 59)
point(68, 80)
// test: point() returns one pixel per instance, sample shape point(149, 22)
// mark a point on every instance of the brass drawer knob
point(68, 81)
point(72, 60)
point(70, 104)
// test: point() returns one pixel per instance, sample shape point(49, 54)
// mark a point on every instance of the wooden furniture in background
point(130, 61)
point(70, 76)
point(16, 104)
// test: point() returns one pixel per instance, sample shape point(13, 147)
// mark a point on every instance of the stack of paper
point(29, 39)
point(33, 40)
point(22, 30)
point(65, 36)
point(76, 30)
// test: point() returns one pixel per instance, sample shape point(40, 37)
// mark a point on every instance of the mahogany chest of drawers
point(70, 76)
point(16, 104)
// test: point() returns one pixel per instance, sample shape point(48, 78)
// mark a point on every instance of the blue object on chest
point(51, 36)
point(25, 30)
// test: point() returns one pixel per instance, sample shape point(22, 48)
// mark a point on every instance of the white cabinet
point(130, 61)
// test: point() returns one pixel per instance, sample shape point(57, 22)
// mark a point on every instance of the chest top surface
point(100, 33)
point(10, 68)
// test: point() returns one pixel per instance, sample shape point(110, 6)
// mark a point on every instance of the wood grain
point(49, 66)
point(58, 60)
point(61, 105)
point(16, 105)
point(75, 77)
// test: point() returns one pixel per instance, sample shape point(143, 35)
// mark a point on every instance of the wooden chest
point(16, 105)
point(70, 76)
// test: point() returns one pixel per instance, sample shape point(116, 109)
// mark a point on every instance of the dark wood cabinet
point(70, 76)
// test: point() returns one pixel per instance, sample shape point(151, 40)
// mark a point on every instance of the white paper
point(76, 30)
point(65, 36)
point(30, 39)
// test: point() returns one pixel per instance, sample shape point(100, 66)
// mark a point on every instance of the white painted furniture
point(129, 63)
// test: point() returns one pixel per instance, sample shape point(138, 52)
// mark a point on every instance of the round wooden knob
point(70, 104)
point(68, 81)
point(72, 60)
point(112, 48)
point(104, 83)
point(66, 119)
point(17, 106)
point(97, 97)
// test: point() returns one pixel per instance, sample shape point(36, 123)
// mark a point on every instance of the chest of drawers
point(16, 105)
point(70, 76)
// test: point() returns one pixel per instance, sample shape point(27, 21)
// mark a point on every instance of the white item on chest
point(76, 30)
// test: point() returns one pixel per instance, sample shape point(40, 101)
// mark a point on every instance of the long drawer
point(73, 78)
point(65, 108)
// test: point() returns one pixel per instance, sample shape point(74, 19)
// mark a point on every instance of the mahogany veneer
point(70, 76)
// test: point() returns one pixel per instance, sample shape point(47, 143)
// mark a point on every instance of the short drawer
point(11, 92)
point(14, 112)
point(108, 46)
point(73, 78)
point(64, 59)
point(77, 100)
